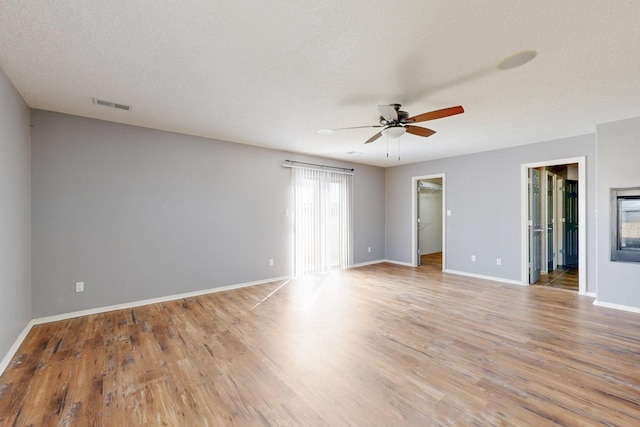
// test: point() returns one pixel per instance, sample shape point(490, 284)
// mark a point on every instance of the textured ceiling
point(271, 73)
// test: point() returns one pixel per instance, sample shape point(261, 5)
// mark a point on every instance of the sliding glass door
point(322, 220)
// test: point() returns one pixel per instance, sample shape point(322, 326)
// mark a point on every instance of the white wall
point(618, 151)
point(15, 216)
point(138, 213)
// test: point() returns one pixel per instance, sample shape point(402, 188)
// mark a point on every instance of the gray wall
point(15, 224)
point(137, 213)
point(618, 150)
point(483, 193)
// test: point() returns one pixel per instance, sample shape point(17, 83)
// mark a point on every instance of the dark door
point(571, 223)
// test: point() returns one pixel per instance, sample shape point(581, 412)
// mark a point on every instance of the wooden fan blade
point(388, 112)
point(417, 130)
point(437, 114)
point(374, 137)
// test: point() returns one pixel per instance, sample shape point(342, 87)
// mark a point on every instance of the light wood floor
point(373, 346)
point(433, 260)
point(562, 278)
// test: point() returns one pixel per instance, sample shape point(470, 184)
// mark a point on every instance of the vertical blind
point(322, 220)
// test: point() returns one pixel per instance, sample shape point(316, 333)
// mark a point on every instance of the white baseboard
point(590, 294)
point(362, 264)
point(133, 304)
point(14, 348)
point(617, 306)
point(406, 264)
point(481, 276)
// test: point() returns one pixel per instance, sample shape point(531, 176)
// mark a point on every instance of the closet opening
point(428, 221)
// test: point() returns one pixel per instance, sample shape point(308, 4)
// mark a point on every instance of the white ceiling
point(271, 73)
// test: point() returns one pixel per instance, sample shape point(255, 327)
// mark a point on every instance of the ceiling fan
point(396, 122)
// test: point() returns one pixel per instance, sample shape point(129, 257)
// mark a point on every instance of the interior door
point(571, 223)
point(560, 222)
point(535, 230)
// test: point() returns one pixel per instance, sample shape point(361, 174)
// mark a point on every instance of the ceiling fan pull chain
point(387, 135)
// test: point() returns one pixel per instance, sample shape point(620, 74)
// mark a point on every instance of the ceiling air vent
point(111, 104)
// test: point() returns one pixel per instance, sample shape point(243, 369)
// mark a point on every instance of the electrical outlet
point(369, 249)
point(271, 262)
point(79, 286)
point(473, 258)
point(498, 261)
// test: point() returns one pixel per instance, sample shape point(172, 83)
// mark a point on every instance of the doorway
point(428, 221)
point(553, 222)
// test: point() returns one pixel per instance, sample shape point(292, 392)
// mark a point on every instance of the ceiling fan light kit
point(394, 131)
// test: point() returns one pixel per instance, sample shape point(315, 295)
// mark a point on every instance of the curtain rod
point(290, 163)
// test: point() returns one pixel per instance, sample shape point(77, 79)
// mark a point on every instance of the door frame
point(582, 218)
point(414, 217)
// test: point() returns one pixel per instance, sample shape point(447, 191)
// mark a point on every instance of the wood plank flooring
point(433, 259)
point(379, 345)
point(562, 278)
